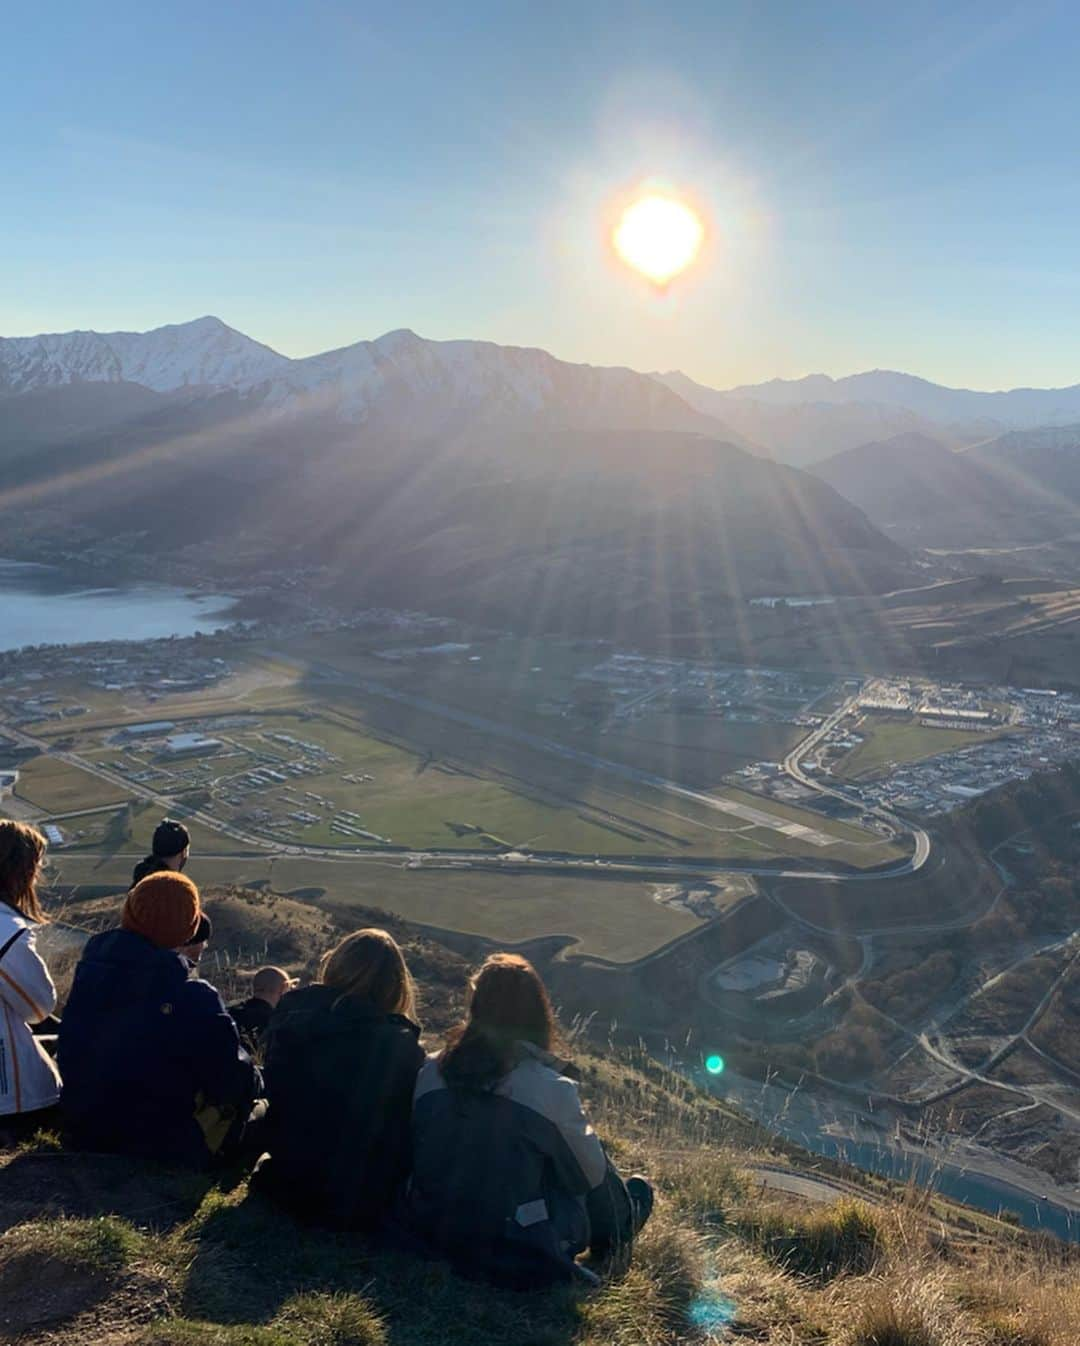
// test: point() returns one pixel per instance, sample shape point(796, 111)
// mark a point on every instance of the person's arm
point(578, 1156)
point(224, 1072)
point(25, 985)
point(385, 1124)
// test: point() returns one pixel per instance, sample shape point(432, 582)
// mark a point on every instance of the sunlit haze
point(888, 186)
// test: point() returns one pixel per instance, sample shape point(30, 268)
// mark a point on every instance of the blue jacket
point(143, 1049)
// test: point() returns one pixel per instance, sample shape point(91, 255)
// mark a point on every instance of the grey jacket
point(500, 1176)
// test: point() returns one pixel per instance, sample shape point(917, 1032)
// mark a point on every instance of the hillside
point(1046, 460)
point(745, 1243)
point(922, 493)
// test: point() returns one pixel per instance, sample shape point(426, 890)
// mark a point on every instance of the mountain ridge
point(464, 477)
point(802, 421)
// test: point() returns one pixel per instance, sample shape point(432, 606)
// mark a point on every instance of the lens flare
point(658, 236)
point(714, 1065)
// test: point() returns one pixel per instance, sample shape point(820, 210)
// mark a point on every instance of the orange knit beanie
point(164, 908)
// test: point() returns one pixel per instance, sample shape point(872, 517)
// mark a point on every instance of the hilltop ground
point(95, 1249)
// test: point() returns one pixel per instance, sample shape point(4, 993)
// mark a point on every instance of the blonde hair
point(22, 849)
point(369, 965)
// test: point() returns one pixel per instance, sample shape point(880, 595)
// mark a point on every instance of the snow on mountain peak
point(204, 353)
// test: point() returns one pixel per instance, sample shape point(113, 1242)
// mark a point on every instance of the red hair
point(508, 1005)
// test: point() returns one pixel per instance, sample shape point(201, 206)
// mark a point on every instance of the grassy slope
point(95, 1249)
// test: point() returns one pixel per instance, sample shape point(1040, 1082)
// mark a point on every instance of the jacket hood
point(119, 966)
point(316, 1012)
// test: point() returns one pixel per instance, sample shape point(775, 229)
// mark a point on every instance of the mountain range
point(495, 482)
point(502, 482)
point(802, 421)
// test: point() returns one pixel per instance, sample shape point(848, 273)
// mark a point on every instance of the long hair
point(22, 849)
point(369, 965)
point(508, 1005)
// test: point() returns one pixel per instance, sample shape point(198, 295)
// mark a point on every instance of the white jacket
point(28, 1078)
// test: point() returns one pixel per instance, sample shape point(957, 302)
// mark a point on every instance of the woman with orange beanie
point(151, 1059)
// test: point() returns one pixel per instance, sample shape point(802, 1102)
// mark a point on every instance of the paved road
point(809, 1186)
point(792, 765)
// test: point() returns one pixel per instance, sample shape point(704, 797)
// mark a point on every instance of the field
point(608, 918)
point(57, 787)
point(894, 742)
point(350, 755)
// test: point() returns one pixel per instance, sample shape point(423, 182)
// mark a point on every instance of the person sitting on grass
point(151, 1059)
point(342, 1057)
point(29, 1083)
point(510, 1182)
point(252, 1015)
point(169, 850)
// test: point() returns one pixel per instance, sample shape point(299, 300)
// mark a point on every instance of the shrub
point(845, 1238)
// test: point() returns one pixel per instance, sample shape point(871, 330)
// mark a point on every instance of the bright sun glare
point(659, 237)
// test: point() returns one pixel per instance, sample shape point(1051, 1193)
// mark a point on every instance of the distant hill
point(801, 421)
point(1022, 487)
point(801, 433)
point(1045, 459)
point(492, 481)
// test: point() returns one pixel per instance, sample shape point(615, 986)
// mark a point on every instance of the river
point(814, 1122)
point(39, 605)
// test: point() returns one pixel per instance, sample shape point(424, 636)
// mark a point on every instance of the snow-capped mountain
point(422, 386)
point(494, 481)
point(416, 385)
point(200, 354)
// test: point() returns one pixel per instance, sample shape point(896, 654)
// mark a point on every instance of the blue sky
point(887, 185)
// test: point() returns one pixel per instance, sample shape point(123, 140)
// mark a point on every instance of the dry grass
point(198, 1262)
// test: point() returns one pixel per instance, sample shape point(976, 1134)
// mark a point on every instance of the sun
point(658, 236)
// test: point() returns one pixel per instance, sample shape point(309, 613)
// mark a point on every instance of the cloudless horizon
point(882, 188)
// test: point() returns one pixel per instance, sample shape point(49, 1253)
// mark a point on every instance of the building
point(151, 729)
point(8, 782)
point(190, 745)
point(53, 835)
point(955, 717)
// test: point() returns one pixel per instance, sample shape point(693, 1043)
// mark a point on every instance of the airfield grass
point(416, 802)
point(896, 742)
point(615, 919)
point(687, 828)
point(58, 787)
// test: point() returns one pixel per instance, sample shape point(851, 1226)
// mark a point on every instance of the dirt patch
point(42, 1185)
point(49, 1302)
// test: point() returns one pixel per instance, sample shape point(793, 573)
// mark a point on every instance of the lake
point(41, 606)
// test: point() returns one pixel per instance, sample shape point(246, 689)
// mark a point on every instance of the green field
point(608, 918)
point(57, 787)
point(424, 797)
point(894, 742)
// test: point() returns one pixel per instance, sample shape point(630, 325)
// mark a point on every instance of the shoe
point(640, 1191)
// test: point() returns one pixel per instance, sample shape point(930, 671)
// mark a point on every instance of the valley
point(567, 659)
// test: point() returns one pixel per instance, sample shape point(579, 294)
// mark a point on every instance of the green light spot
point(714, 1065)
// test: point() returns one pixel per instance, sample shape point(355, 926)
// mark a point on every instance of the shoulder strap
point(18, 933)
